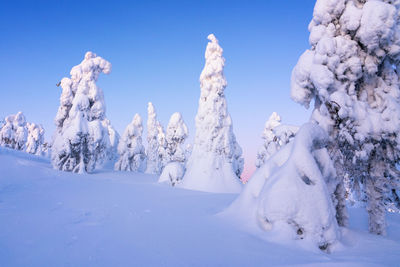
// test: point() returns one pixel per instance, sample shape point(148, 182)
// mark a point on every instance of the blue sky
point(157, 52)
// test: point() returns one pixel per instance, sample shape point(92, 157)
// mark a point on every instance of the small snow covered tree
point(351, 73)
point(82, 141)
point(216, 161)
point(131, 151)
point(14, 132)
point(173, 152)
point(153, 145)
point(175, 137)
point(275, 136)
point(35, 140)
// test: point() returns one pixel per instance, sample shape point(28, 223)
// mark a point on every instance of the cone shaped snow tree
point(216, 162)
point(153, 127)
point(275, 136)
point(351, 73)
point(132, 156)
point(82, 140)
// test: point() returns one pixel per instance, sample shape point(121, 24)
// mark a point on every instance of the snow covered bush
point(172, 173)
point(84, 138)
point(131, 151)
point(216, 162)
point(14, 132)
point(351, 74)
point(275, 136)
point(294, 192)
point(35, 140)
point(175, 137)
point(154, 129)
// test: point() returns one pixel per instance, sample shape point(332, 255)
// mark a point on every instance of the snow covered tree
point(175, 137)
point(275, 136)
point(351, 73)
point(82, 141)
point(14, 132)
point(216, 161)
point(131, 151)
point(153, 142)
point(293, 193)
point(35, 140)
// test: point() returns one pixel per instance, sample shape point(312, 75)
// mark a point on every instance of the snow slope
point(52, 218)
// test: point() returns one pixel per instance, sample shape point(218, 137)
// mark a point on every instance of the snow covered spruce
point(351, 73)
point(294, 192)
point(84, 138)
point(154, 164)
point(275, 136)
point(216, 162)
point(18, 134)
point(131, 151)
point(173, 152)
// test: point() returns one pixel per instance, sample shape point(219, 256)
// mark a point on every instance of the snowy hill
point(52, 218)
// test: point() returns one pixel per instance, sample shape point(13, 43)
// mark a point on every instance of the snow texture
point(275, 136)
point(216, 162)
point(351, 74)
point(172, 173)
point(132, 156)
point(84, 139)
point(35, 140)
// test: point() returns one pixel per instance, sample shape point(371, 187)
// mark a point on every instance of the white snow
point(53, 218)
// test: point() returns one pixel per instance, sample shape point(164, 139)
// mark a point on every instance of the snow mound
point(172, 173)
point(291, 191)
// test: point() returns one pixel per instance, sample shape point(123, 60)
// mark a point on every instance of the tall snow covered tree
point(175, 137)
point(82, 139)
point(153, 145)
point(275, 136)
point(14, 132)
point(131, 151)
point(351, 73)
point(216, 161)
point(35, 140)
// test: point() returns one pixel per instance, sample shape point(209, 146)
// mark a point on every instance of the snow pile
point(172, 173)
point(293, 193)
point(18, 134)
point(350, 72)
point(216, 162)
point(84, 138)
point(275, 136)
point(154, 128)
point(131, 151)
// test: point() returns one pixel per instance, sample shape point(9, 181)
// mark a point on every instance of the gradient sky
point(157, 52)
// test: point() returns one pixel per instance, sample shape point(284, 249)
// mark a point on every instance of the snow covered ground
point(52, 218)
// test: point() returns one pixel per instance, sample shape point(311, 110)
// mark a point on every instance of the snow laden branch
point(216, 162)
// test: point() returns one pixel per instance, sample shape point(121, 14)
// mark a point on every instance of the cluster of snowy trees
point(349, 149)
point(17, 133)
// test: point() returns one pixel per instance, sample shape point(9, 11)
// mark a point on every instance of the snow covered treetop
point(212, 77)
point(135, 128)
point(177, 129)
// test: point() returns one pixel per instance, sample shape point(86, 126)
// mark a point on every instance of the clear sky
point(157, 52)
